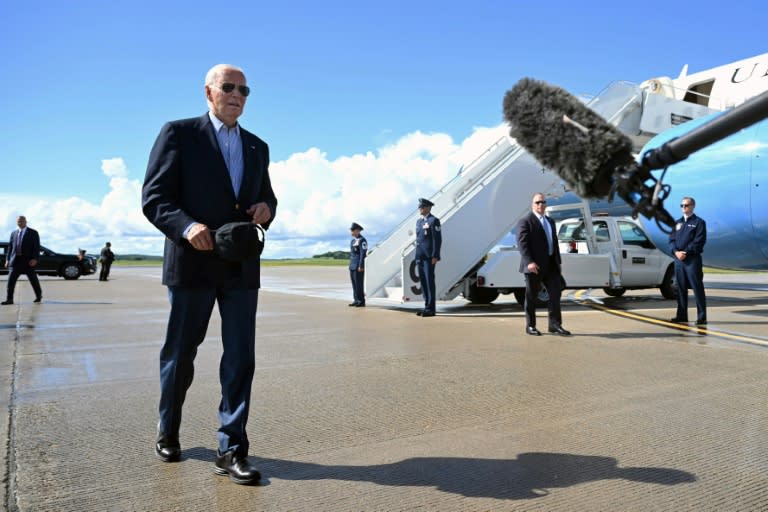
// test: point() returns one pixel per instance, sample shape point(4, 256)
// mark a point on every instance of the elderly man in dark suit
point(203, 173)
point(24, 247)
point(540, 262)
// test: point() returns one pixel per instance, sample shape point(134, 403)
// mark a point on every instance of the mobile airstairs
point(485, 200)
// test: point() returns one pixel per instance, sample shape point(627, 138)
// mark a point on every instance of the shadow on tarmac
point(528, 476)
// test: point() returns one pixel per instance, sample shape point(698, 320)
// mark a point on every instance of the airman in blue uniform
point(429, 239)
point(687, 243)
point(358, 250)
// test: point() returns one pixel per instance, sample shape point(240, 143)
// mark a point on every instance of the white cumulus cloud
point(318, 198)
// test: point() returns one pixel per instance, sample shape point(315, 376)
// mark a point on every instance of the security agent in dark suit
point(24, 250)
point(540, 262)
point(106, 257)
point(429, 239)
point(203, 173)
point(687, 243)
point(358, 249)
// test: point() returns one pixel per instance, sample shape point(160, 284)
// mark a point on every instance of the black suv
point(68, 266)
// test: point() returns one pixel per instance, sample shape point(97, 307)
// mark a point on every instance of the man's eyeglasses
point(228, 88)
point(685, 205)
point(539, 202)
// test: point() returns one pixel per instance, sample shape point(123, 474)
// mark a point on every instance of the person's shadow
point(530, 475)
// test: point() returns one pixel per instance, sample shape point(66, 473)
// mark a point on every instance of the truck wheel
point(70, 271)
point(668, 286)
point(615, 292)
point(541, 301)
point(480, 295)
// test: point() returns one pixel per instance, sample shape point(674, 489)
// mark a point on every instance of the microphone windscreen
point(585, 161)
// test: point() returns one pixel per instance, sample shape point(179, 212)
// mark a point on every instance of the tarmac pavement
point(376, 409)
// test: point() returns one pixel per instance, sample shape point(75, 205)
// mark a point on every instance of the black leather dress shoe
point(6, 302)
point(559, 331)
point(237, 467)
point(167, 448)
point(420, 312)
point(532, 331)
point(676, 320)
point(352, 305)
point(701, 322)
point(427, 314)
point(38, 299)
point(360, 305)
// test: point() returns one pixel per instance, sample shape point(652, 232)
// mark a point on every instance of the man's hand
point(533, 267)
point(360, 269)
point(200, 237)
point(434, 261)
point(681, 255)
point(259, 213)
point(32, 263)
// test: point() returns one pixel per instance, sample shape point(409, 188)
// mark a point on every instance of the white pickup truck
point(612, 253)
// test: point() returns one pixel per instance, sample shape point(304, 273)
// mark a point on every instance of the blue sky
point(336, 85)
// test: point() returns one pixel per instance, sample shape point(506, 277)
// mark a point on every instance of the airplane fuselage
point(729, 181)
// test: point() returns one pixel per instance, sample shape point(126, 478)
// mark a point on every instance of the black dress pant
point(104, 274)
point(553, 281)
point(13, 276)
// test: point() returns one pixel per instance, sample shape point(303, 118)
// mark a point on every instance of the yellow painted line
point(680, 327)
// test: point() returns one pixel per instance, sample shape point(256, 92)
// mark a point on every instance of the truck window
point(571, 231)
point(631, 234)
point(601, 231)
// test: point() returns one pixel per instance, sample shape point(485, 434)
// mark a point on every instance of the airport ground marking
point(596, 304)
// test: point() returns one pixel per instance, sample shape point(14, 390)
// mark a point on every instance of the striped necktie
point(232, 150)
point(548, 232)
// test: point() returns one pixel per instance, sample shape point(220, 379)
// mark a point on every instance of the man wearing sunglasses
point(203, 173)
point(687, 243)
point(540, 262)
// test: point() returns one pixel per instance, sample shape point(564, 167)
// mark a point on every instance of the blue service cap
point(425, 203)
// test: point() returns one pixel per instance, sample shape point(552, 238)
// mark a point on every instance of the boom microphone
point(674, 150)
point(594, 158)
point(584, 150)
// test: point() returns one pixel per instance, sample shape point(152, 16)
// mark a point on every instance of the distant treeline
point(333, 255)
point(137, 257)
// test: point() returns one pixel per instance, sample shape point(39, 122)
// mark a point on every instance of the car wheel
point(480, 295)
point(615, 292)
point(542, 300)
point(70, 271)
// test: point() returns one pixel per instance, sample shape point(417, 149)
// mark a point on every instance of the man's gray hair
point(216, 71)
point(692, 200)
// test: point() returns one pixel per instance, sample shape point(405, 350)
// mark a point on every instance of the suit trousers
point(358, 281)
point(427, 277)
point(190, 313)
point(690, 274)
point(533, 284)
point(13, 275)
point(104, 274)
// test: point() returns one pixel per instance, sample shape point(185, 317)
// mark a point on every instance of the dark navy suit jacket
point(358, 250)
point(689, 236)
point(429, 238)
point(532, 243)
point(30, 248)
point(187, 181)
